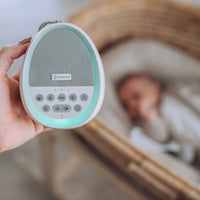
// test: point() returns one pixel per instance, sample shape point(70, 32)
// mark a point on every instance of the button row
point(61, 97)
point(62, 108)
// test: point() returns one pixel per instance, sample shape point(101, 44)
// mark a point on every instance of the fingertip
point(24, 47)
point(18, 50)
point(25, 41)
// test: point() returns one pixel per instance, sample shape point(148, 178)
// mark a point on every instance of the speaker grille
point(61, 51)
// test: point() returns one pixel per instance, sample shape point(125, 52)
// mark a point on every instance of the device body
point(62, 79)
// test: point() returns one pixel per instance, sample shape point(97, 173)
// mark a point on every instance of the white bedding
point(162, 61)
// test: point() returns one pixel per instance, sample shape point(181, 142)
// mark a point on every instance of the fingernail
point(25, 41)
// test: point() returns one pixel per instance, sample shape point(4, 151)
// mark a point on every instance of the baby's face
point(139, 97)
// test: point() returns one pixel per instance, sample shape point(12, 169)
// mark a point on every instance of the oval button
point(72, 97)
point(39, 97)
point(50, 97)
point(61, 97)
point(46, 108)
point(77, 108)
point(84, 97)
point(66, 108)
point(57, 108)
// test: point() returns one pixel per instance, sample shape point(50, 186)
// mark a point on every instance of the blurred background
point(20, 19)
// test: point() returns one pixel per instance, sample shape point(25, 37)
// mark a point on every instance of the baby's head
point(140, 95)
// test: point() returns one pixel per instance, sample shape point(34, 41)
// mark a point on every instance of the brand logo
point(61, 77)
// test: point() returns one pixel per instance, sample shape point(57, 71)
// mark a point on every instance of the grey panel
point(61, 51)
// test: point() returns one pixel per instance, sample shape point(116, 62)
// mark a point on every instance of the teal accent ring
point(40, 117)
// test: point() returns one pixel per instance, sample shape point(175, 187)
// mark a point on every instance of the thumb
point(148, 112)
point(9, 53)
point(143, 108)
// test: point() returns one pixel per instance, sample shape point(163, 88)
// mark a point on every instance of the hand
point(16, 127)
point(148, 111)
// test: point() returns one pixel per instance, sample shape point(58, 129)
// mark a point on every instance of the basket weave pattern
point(111, 21)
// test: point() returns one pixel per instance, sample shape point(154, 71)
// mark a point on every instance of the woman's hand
point(16, 127)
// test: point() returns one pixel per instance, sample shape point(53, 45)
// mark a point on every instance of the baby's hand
point(148, 111)
point(16, 127)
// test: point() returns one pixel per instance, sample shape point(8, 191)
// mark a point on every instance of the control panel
point(62, 102)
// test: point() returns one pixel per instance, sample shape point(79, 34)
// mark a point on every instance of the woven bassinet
point(112, 21)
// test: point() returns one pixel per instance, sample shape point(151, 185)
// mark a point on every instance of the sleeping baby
point(162, 121)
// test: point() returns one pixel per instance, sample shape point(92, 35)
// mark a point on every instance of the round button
point(61, 97)
point(56, 108)
point(72, 97)
point(66, 108)
point(84, 97)
point(77, 108)
point(46, 108)
point(39, 97)
point(50, 97)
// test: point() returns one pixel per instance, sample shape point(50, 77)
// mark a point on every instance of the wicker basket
point(109, 22)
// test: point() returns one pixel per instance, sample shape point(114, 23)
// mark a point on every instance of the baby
point(160, 115)
point(140, 96)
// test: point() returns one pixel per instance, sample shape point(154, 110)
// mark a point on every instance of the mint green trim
point(40, 117)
